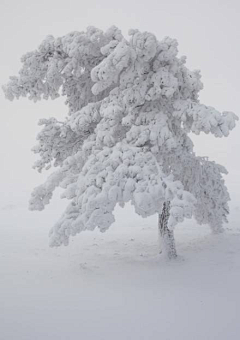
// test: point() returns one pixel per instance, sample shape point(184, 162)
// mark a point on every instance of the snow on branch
point(132, 103)
point(119, 175)
point(197, 117)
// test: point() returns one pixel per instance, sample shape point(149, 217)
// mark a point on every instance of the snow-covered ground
point(114, 286)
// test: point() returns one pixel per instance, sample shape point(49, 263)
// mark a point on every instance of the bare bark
point(166, 236)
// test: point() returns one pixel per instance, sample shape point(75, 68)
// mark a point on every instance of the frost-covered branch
point(132, 103)
point(119, 175)
point(197, 117)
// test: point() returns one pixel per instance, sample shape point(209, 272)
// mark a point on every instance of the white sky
point(208, 33)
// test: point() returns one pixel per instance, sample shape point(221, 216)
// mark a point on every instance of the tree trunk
point(166, 237)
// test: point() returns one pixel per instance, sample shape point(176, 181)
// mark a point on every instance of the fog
point(208, 33)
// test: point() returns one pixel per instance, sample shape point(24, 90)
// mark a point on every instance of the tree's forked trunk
point(166, 237)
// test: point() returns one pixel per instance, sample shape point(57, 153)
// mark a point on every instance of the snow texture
point(115, 286)
point(132, 104)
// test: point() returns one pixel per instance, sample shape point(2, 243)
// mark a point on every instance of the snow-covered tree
point(132, 104)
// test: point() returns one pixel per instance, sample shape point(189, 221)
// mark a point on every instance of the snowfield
point(115, 286)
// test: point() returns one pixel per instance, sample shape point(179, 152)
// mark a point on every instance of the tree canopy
point(131, 106)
